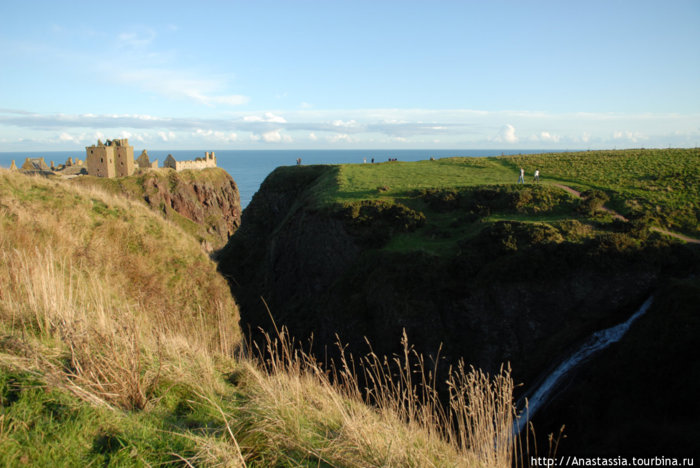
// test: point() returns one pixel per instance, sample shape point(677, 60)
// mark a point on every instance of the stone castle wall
point(115, 158)
point(209, 160)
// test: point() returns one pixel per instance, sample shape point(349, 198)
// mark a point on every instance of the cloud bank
point(368, 128)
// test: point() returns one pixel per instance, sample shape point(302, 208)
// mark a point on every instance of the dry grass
point(397, 419)
point(123, 290)
point(108, 301)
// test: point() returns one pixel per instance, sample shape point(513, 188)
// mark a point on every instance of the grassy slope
point(134, 187)
point(116, 348)
point(659, 187)
point(664, 183)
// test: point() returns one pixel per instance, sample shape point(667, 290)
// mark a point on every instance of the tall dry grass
point(109, 301)
point(396, 419)
point(122, 291)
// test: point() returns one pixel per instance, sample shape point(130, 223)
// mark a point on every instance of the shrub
point(374, 222)
point(592, 201)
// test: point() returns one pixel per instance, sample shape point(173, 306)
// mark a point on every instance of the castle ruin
point(33, 166)
point(144, 162)
point(115, 158)
point(209, 160)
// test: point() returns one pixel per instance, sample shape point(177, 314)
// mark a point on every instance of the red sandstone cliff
point(205, 203)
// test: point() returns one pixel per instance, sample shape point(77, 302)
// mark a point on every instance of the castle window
point(102, 160)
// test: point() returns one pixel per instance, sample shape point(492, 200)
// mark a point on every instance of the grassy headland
point(458, 197)
point(118, 347)
point(457, 254)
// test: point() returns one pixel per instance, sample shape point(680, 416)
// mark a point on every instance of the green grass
point(661, 183)
point(354, 182)
point(654, 187)
point(45, 426)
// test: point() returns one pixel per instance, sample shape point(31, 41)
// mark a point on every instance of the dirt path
point(576, 193)
point(617, 215)
point(676, 235)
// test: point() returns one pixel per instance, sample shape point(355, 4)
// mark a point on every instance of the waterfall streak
point(597, 342)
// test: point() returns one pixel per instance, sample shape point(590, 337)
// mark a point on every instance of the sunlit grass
point(118, 347)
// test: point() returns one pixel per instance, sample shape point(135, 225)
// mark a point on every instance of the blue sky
point(341, 74)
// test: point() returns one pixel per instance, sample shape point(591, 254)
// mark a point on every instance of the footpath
point(617, 215)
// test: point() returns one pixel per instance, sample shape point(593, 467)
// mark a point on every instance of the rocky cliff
point(206, 203)
point(511, 291)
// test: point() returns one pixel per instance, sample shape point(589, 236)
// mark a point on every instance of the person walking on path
point(537, 175)
point(521, 179)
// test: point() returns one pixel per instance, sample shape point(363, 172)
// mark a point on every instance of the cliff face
point(516, 292)
point(205, 197)
point(524, 293)
point(206, 203)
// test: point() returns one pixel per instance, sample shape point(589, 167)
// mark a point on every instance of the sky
point(355, 74)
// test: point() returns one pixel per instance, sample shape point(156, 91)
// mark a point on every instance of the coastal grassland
point(118, 345)
point(397, 179)
point(459, 197)
point(662, 184)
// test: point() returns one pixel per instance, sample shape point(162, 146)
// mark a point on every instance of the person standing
point(521, 179)
point(537, 175)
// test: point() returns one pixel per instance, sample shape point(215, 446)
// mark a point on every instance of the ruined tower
point(113, 159)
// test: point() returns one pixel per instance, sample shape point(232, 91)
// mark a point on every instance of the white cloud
point(634, 137)
point(67, 137)
point(214, 135)
point(229, 100)
point(369, 127)
point(178, 84)
point(347, 124)
point(136, 40)
point(166, 136)
point(506, 134)
point(546, 136)
point(274, 136)
point(267, 117)
point(340, 138)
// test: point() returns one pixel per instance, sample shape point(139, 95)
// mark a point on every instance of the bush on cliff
point(374, 222)
point(485, 200)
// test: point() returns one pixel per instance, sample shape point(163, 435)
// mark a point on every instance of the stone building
point(115, 158)
point(35, 166)
point(209, 160)
point(144, 161)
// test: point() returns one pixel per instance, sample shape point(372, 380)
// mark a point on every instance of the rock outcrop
point(205, 203)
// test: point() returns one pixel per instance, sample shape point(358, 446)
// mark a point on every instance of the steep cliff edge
point(494, 273)
point(205, 203)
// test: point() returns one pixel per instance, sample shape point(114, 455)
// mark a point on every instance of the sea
point(250, 167)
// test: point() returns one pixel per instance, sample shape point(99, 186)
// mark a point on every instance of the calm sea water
point(250, 167)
